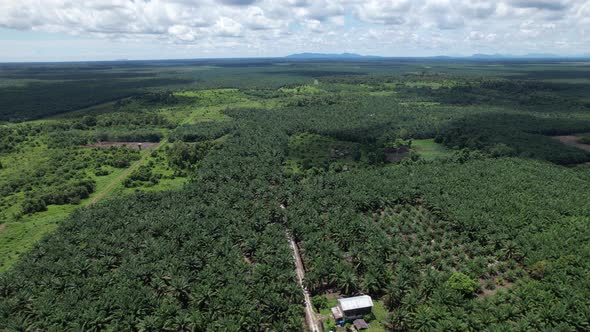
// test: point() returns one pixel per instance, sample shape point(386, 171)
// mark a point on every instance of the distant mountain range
point(353, 56)
point(330, 56)
point(512, 56)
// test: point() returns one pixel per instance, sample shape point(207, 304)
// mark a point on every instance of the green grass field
point(427, 149)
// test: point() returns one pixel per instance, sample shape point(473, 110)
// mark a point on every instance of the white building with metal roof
point(353, 307)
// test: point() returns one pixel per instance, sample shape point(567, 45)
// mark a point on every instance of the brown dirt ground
point(131, 145)
point(572, 140)
point(490, 292)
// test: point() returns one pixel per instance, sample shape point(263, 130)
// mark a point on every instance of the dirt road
point(310, 317)
point(309, 314)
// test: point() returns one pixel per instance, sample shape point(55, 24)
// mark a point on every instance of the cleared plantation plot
point(208, 105)
point(428, 149)
point(156, 173)
point(130, 145)
point(303, 90)
point(578, 141)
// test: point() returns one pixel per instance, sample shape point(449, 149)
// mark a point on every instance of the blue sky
point(80, 30)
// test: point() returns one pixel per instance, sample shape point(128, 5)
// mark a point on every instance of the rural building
point(360, 324)
point(352, 308)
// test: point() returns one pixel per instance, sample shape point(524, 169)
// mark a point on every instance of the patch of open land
point(131, 145)
point(573, 140)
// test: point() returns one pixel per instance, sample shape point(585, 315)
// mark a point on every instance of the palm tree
point(347, 282)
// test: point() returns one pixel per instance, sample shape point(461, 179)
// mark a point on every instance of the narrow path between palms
point(310, 317)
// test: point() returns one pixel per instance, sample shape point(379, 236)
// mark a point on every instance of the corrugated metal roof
point(357, 302)
point(337, 313)
point(360, 324)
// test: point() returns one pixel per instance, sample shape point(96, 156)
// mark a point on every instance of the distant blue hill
point(330, 56)
point(479, 56)
point(511, 56)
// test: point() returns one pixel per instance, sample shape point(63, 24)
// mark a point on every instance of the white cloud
point(274, 27)
point(227, 27)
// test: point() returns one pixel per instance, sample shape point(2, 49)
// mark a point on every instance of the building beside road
point(352, 308)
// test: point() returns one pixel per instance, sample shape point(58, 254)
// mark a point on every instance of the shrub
point(330, 325)
point(34, 204)
point(462, 283)
point(102, 172)
point(319, 302)
point(538, 270)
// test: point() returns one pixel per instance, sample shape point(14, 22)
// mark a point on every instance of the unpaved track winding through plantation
point(309, 314)
point(310, 317)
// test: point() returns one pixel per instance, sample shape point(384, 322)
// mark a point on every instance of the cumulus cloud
point(315, 25)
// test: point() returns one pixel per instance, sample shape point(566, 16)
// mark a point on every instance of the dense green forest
point(455, 194)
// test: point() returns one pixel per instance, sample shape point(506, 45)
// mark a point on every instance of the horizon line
point(330, 56)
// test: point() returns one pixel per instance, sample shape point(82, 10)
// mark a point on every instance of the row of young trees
point(402, 233)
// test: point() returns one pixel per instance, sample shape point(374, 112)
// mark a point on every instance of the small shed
point(360, 324)
point(337, 314)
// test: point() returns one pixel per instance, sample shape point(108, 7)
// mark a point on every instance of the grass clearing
point(19, 237)
point(380, 313)
point(420, 103)
point(208, 105)
point(428, 149)
point(304, 89)
point(168, 181)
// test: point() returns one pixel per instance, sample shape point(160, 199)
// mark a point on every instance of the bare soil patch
point(131, 145)
point(485, 293)
point(572, 140)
